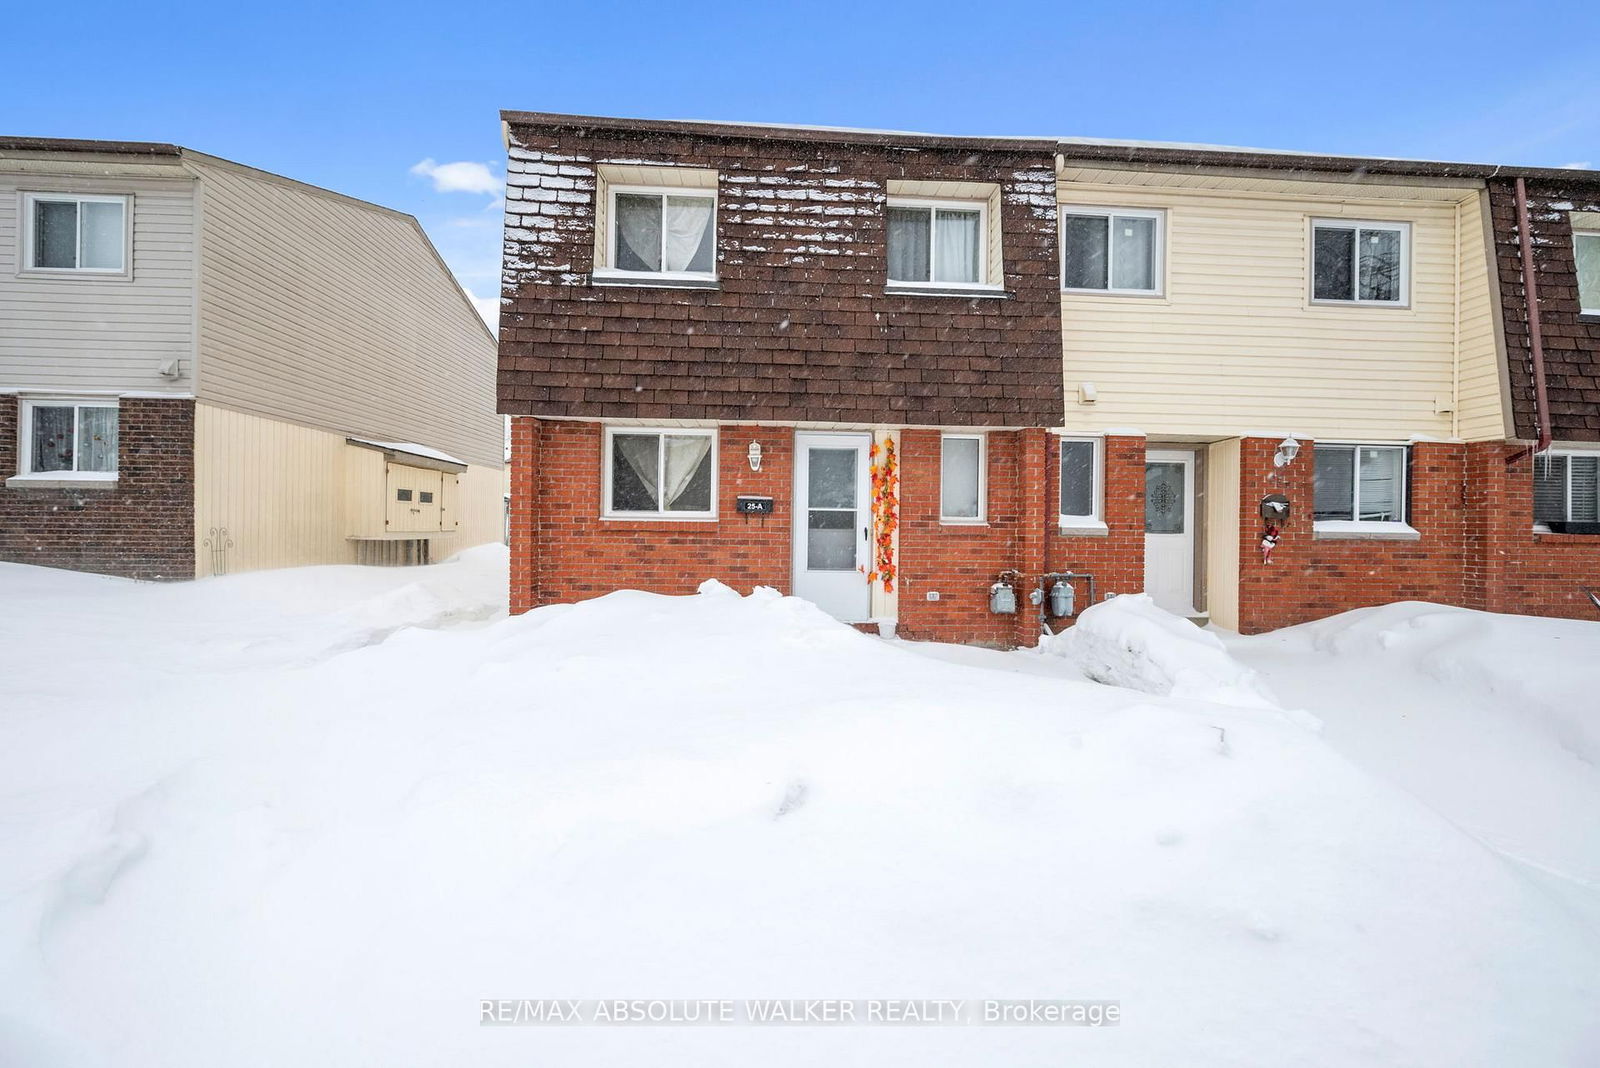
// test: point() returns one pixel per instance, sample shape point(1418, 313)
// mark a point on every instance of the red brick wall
point(1116, 559)
point(1510, 568)
point(1311, 577)
point(961, 561)
point(561, 550)
point(142, 528)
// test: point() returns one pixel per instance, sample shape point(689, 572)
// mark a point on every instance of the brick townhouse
point(968, 386)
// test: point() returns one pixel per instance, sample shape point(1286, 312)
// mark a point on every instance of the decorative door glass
point(1163, 497)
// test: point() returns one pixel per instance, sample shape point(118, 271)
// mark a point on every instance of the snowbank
point(1546, 670)
point(328, 852)
point(1128, 641)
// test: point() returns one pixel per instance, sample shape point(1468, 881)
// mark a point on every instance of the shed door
point(414, 500)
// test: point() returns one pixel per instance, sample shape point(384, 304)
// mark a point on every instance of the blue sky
point(354, 96)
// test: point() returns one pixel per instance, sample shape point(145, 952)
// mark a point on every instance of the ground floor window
point(1360, 483)
point(664, 473)
point(68, 437)
point(1566, 488)
point(1080, 481)
point(961, 483)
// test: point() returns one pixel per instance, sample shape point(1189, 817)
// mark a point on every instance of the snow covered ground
point(313, 817)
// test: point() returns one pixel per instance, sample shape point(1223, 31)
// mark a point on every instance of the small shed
point(400, 496)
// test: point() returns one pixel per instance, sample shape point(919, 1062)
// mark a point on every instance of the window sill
point(1386, 305)
point(1116, 294)
point(87, 274)
point(1084, 528)
point(653, 280)
point(945, 521)
point(649, 518)
point(56, 480)
point(902, 289)
point(1353, 530)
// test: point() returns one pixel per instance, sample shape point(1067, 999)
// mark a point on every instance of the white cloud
point(462, 176)
point(1584, 166)
point(489, 308)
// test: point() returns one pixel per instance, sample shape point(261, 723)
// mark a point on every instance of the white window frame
point(936, 204)
point(1404, 504)
point(982, 518)
point(611, 270)
point(607, 452)
point(25, 264)
point(1358, 225)
point(1566, 500)
point(1158, 254)
point(1583, 308)
point(25, 471)
point(1096, 519)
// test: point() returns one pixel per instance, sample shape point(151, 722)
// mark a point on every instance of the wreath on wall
point(885, 472)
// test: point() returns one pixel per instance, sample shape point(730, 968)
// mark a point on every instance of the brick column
point(525, 441)
point(1034, 520)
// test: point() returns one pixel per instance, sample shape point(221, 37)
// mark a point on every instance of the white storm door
point(832, 522)
point(1169, 530)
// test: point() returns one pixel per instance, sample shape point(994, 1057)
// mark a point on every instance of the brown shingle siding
point(799, 327)
point(1571, 339)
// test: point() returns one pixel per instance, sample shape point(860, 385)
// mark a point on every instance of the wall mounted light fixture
point(1287, 450)
point(754, 453)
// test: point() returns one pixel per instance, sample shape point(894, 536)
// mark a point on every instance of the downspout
point(1530, 290)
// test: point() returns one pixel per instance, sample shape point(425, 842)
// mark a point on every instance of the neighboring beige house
point(207, 368)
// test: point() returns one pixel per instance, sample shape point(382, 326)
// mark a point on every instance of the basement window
point(68, 439)
point(1566, 489)
point(1360, 262)
point(1112, 250)
point(665, 474)
point(1363, 484)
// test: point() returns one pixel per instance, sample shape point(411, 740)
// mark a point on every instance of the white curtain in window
point(684, 457)
point(956, 246)
point(909, 234)
point(1381, 473)
point(638, 233)
point(101, 222)
point(688, 237)
point(97, 439)
point(640, 453)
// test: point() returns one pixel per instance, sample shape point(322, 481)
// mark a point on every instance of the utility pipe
point(1530, 290)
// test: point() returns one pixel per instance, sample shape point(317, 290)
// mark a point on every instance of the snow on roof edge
point(410, 447)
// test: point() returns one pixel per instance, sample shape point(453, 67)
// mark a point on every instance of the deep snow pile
point(1128, 641)
point(241, 829)
point(1493, 720)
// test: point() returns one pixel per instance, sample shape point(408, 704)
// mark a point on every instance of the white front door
point(832, 524)
point(1169, 530)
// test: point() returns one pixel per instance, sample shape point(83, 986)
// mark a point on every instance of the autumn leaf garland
point(885, 471)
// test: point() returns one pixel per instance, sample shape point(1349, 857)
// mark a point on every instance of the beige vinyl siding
point(1221, 527)
point(1236, 345)
point(67, 333)
point(319, 310)
point(277, 494)
point(1482, 401)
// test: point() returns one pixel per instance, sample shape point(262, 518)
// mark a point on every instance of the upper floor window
point(1360, 262)
point(1360, 483)
point(666, 232)
point(1586, 250)
point(1566, 488)
point(63, 438)
point(1110, 250)
point(668, 474)
point(68, 232)
point(961, 479)
point(938, 243)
